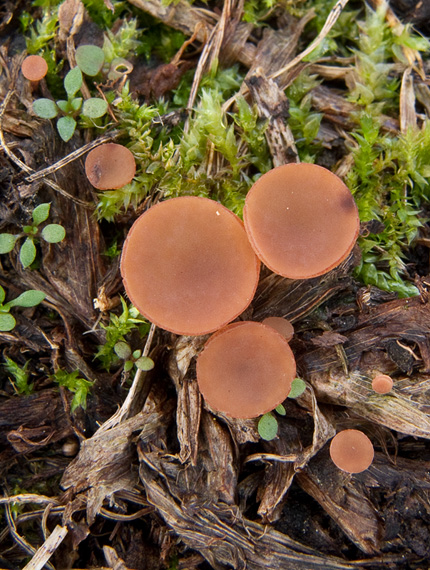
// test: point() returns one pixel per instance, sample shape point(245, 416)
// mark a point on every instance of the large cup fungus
point(110, 166)
point(245, 370)
point(301, 220)
point(352, 451)
point(188, 267)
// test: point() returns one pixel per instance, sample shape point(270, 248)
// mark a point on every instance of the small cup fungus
point(352, 451)
point(284, 327)
point(34, 68)
point(188, 267)
point(301, 220)
point(245, 370)
point(382, 384)
point(110, 166)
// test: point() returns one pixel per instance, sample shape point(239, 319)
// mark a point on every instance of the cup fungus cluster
point(191, 266)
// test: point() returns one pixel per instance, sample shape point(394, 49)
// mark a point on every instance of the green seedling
point(29, 298)
point(21, 376)
point(116, 330)
point(90, 61)
point(78, 386)
point(51, 233)
point(132, 358)
point(268, 424)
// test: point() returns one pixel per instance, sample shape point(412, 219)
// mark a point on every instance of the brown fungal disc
point(110, 166)
point(284, 327)
point(245, 370)
point(352, 451)
point(382, 384)
point(301, 220)
point(34, 67)
point(188, 267)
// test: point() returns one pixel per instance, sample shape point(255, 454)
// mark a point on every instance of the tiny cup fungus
point(352, 451)
point(188, 267)
point(301, 220)
point(284, 327)
point(245, 370)
point(110, 166)
point(34, 68)
point(382, 383)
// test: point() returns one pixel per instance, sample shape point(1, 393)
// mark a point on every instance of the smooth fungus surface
point(188, 267)
point(301, 220)
point(351, 450)
point(34, 67)
point(245, 370)
point(110, 166)
point(382, 384)
point(284, 327)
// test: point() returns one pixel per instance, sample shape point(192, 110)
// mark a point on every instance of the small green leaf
point(90, 59)
point(76, 103)
point(137, 354)
point(41, 213)
point(45, 108)
point(94, 108)
point(20, 374)
point(145, 363)
point(7, 322)
point(268, 427)
point(297, 388)
point(7, 242)
point(73, 81)
point(280, 410)
point(128, 366)
point(66, 127)
point(122, 350)
point(28, 299)
point(64, 106)
point(2, 294)
point(27, 253)
point(53, 233)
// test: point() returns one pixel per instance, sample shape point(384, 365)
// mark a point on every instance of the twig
point(71, 157)
point(44, 553)
point(28, 498)
point(26, 546)
point(329, 23)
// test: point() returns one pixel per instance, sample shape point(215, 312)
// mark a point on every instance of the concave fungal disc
point(301, 220)
point(188, 267)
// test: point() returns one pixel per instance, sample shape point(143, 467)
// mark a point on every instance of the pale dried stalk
point(408, 116)
point(329, 23)
point(47, 549)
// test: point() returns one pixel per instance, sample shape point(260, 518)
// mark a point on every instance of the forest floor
point(105, 465)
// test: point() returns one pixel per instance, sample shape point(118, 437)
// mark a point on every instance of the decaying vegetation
point(105, 464)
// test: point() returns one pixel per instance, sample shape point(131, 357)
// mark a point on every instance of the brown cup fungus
point(301, 220)
point(245, 370)
point(382, 384)
point(352, 451)
point(188, 267)
point(34, 68)
point(110, 166)
point(284, 327)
